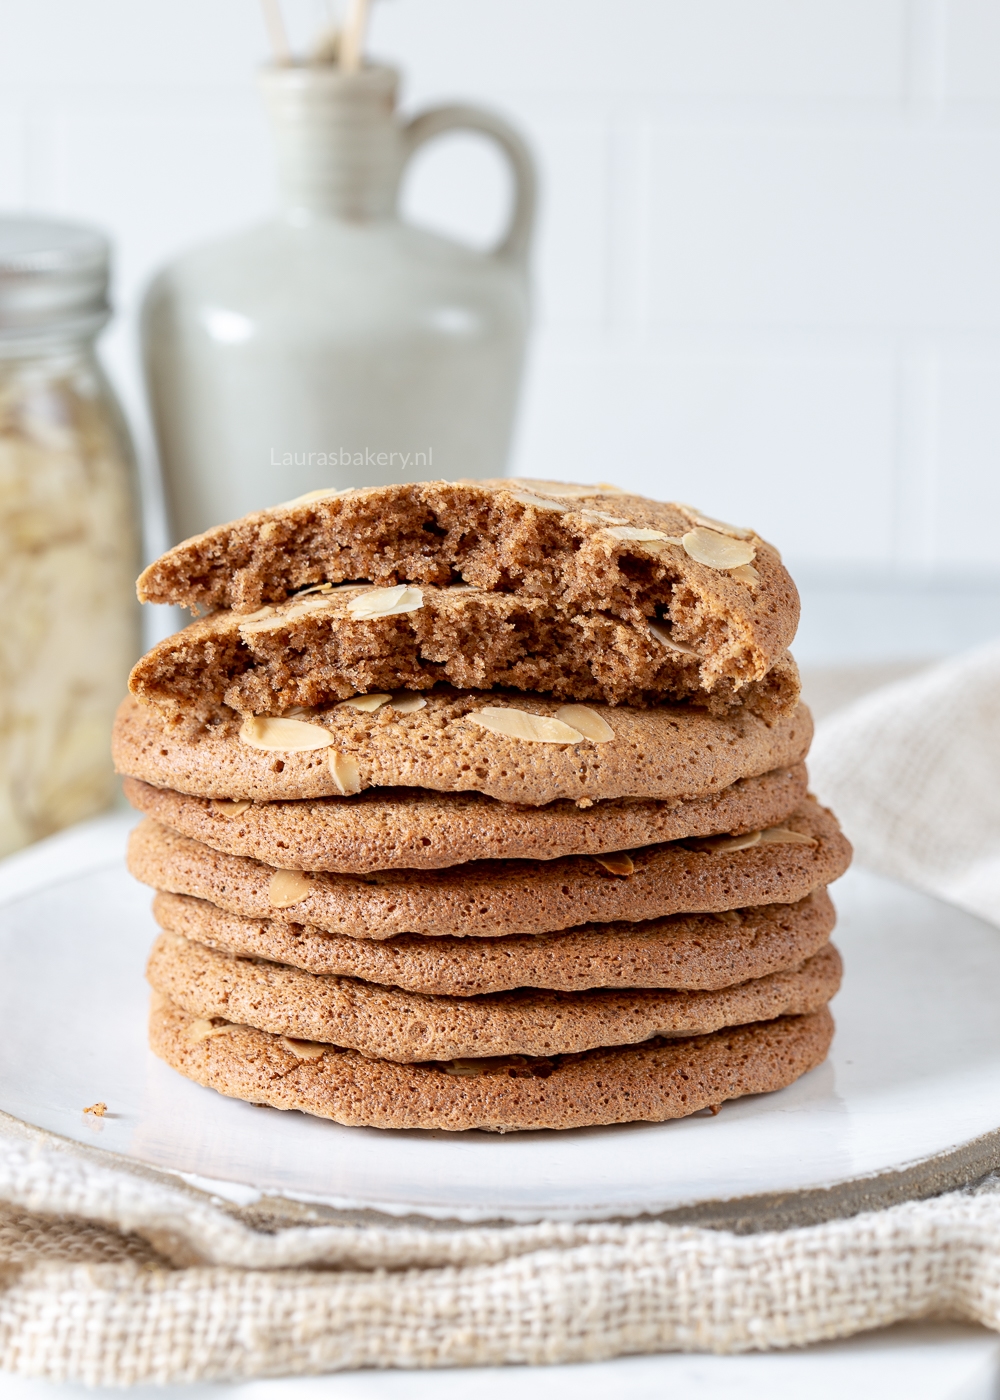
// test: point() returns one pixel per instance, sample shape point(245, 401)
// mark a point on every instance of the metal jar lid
point(53, 278)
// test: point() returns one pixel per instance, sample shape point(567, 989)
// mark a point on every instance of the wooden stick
point(274, 22)
point(352, 36)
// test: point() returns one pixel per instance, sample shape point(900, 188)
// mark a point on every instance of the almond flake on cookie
point(631, 532)
point(617, 864)
point(590, 724)
point(367, 703)
point(720, 845)
point(302, 1049)
point(717, 551)
point(288, 887)
point(527, 498)
point(386, 602)
point(344, 771)
point(203, 1029)
point(782, 836)
point(283, 735)
point(407, 702)
point(698, 517)
point(522, 724)
point(745, 573)
point(665, 638)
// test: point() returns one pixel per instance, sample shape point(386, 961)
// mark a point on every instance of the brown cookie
point(671, 752)
point(387, 1023)
point(697, 951)
point(317, 649)
point(488, 899)
point(392, 828)
point(645, 1083)
point(588, 553)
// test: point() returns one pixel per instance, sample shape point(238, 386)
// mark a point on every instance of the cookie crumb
point(97, 1109)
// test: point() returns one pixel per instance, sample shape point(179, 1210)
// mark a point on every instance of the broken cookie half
point(627, 599)
point(352, 640)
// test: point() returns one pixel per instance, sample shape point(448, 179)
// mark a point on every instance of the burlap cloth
point(113, 1275)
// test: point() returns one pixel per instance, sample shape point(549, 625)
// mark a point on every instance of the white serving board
point(915, 1071)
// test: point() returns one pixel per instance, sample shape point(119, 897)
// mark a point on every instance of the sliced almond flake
point(521, 724)
point(464, 1069)
point(698, 517)
point(715, 550)
point(288, 887)
point(565, 490)
point(254, 625)
point(526, 498)
point(617, 864)
point(385, 602)
point(719, 845)
point(344, 772)
point(314, 588)
point(232, 809)
point(300, 605)
point(275, 734)
point(746, 573)
point(603, 516)
point(291, 612)
point(782, 836)
point(368, 703)
point(324, 493)
point(268, 610)
point(407, 702)
point(665, 638)
point(632, 532)
point(202, 1029)
point(590, 724)
point(302, 1049)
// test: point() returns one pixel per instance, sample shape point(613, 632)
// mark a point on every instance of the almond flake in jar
point(69, 555)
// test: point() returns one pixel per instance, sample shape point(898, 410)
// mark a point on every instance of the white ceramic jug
point(337, 345)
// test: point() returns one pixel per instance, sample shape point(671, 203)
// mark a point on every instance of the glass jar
point(69, 533)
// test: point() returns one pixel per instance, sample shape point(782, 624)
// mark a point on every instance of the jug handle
point(516, 242)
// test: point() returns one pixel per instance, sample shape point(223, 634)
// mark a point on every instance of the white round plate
point(915, 1071)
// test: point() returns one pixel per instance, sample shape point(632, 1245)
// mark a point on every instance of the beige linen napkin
point(110, 1275)
point(913, 773)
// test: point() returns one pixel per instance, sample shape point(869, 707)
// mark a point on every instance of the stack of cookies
point(481, 805)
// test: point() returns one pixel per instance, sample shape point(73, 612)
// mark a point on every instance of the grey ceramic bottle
point(336, 344)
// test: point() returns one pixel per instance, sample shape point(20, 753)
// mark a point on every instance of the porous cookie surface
point(586, 551)
point(488, 899)
point(671, 752)
point(326, 647)
point(697, 951)
point(650, 1083)
point(385, 829)
point(388, 1023)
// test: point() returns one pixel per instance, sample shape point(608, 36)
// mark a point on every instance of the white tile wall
point(768, 269)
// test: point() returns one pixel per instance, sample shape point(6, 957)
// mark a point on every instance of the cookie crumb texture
point(646, 1083)
point(565, 582)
